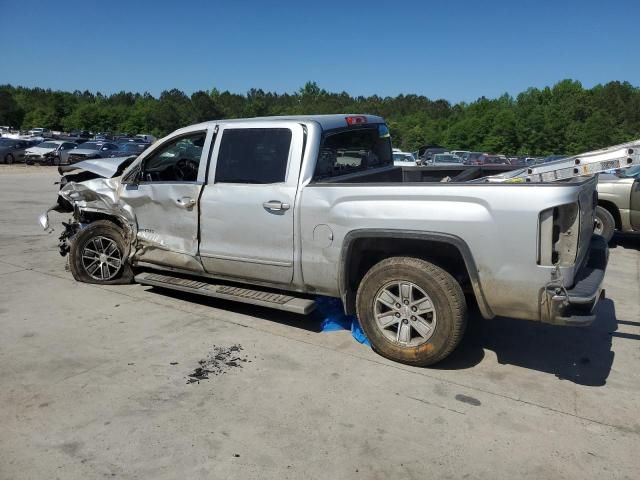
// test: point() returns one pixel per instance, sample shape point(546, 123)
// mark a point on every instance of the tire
point(430, 284)
point(9, 159)
point(100, 237)
point(55, 161)
point(605, 224)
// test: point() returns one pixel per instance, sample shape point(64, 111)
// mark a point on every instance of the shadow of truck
point(581, 355)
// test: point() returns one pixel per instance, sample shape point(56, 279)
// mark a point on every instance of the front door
point(247, 207)
point(164, 200)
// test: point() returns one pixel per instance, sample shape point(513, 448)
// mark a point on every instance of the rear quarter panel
point(498, 222)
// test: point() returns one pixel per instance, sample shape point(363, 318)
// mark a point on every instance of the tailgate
point(588, 200)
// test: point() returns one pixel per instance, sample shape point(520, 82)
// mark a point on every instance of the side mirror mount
point(133, 178)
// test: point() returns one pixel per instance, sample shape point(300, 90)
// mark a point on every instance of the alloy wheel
point(404, 313)
point(101, 258)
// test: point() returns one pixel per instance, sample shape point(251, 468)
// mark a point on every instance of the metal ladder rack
point(619, 156)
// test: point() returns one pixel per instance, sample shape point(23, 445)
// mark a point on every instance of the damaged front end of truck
point(90, 193)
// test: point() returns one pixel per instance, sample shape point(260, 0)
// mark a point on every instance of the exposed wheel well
point(613, 210)
point(89, 217)
point(364, 253)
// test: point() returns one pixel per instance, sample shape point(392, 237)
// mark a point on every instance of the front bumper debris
point(575, 306)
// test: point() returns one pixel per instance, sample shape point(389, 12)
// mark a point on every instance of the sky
point(456, 50)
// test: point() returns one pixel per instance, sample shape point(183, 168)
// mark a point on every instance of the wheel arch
point(612, 208)
point(364, 248)
point(88, 216)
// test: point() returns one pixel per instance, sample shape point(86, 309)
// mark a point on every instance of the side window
point(176, 161)
point(253, 155)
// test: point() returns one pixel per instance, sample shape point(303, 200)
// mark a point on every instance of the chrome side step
point(227, 292)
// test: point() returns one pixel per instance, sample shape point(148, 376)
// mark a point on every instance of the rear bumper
point(575, 306)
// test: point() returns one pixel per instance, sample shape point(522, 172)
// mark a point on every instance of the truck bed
point(394, 174)
point(454, 174)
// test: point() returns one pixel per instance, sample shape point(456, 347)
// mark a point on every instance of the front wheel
point(605, 224)
point(98, 255)
point(9, 159)
point(412, 311)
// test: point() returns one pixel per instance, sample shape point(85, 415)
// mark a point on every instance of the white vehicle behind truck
point(276, 211)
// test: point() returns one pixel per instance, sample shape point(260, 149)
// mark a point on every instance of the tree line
point(565, 118)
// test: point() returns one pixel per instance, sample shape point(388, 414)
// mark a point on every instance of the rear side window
point(253, 155)
point(352, 150)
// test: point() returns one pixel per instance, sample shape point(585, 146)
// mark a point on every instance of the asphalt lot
point(94, 382)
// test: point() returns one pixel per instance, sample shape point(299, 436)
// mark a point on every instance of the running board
point(227, 292)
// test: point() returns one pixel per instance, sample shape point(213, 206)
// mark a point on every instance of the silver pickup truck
point(277, 211)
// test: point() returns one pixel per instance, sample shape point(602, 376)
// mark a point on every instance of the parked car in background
point(72, 138)
point(93, 150)
point(405, 159)
point(80, 134)
point(103, 137)
point(474, 158)
point(40, 132)
point(618, 203)
point(147, 137)
point(427, 151)
point(130, 148)
point(51, 152)
point(445, 159)
point(12, 150)
point(463, 154)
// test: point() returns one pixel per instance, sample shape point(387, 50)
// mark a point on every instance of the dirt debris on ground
point(217, 362)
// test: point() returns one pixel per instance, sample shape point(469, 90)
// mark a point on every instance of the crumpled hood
point(104, 167)
point(98, 195)
point(38, 151)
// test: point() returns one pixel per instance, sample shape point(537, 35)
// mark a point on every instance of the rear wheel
point(98, 255)
point(605, 224)
point(411, 310)
point(9, 159)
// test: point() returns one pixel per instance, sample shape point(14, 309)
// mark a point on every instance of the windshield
point(47, 145)
point(5, 142)
point(354, 149)
point(129, 147)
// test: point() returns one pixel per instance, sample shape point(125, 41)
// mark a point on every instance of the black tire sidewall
point(9, 159)
point(105, 229)
point(437, 347)
point(608, 223)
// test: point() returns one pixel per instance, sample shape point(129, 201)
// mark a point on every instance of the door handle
point(185, 202)
point(276, 205)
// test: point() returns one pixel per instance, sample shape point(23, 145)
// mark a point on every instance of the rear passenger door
point(247, 207)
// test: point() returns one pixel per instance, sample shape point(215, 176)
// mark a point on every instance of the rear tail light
point(559, 229)
point(356, 120)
